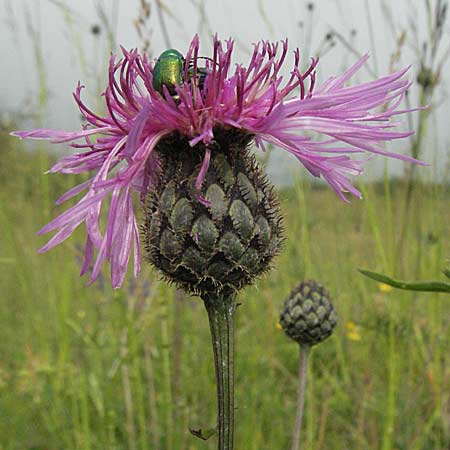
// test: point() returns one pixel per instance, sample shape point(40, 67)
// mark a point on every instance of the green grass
point(86, 368)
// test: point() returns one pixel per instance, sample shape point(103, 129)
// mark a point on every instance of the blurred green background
point(90, 368)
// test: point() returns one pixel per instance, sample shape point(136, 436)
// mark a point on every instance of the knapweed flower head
point(322, 126)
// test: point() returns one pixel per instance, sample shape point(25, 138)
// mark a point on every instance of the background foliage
point(88, 368)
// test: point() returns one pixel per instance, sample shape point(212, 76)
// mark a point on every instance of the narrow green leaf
point(422, 286)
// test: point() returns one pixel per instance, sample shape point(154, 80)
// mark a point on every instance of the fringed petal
point(201, 177)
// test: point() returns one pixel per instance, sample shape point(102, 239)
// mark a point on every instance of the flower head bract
point(322, 126)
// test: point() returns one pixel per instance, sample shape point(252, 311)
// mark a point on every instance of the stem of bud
point(302, 372)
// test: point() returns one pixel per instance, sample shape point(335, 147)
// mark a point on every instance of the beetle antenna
point(203, 57)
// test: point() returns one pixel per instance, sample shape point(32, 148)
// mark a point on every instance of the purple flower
point(123, 158)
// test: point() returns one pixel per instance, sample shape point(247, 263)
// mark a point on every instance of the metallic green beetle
point(169, 72)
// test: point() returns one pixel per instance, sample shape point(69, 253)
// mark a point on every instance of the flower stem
point(302, 370)
point(220, 314)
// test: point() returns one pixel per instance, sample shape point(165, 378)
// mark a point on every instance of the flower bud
point(308, 317)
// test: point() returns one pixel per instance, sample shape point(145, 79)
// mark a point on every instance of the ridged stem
point(220, 314)
point(302, 371)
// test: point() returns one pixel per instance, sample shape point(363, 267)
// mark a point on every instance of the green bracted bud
point(219, 248)
point(308, 317)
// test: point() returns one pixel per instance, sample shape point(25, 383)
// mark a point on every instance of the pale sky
point(71, 52)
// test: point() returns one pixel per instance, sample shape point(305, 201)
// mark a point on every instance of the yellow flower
point(278, 326)
point(353, 331)
point(384, 287)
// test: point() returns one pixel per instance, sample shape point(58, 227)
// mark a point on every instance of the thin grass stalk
point(126, 387)
point(74, 35)
point(375, 225)
point(323, 424)
point(390, 410)
point(162, 22)
point(372, 37)
point(111, 429)
point(34, 32)
point(389, 218)
point(154, 419)
point(109, 22)
point(142, 25)
point(74, 410)
point(177, 333)
point(429, 79)
point(390, 406)
point(411, 177)
point(304, 233)
point(85, 415)
point(138, 385)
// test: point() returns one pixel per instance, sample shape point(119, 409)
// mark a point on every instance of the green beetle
point(169, 72)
